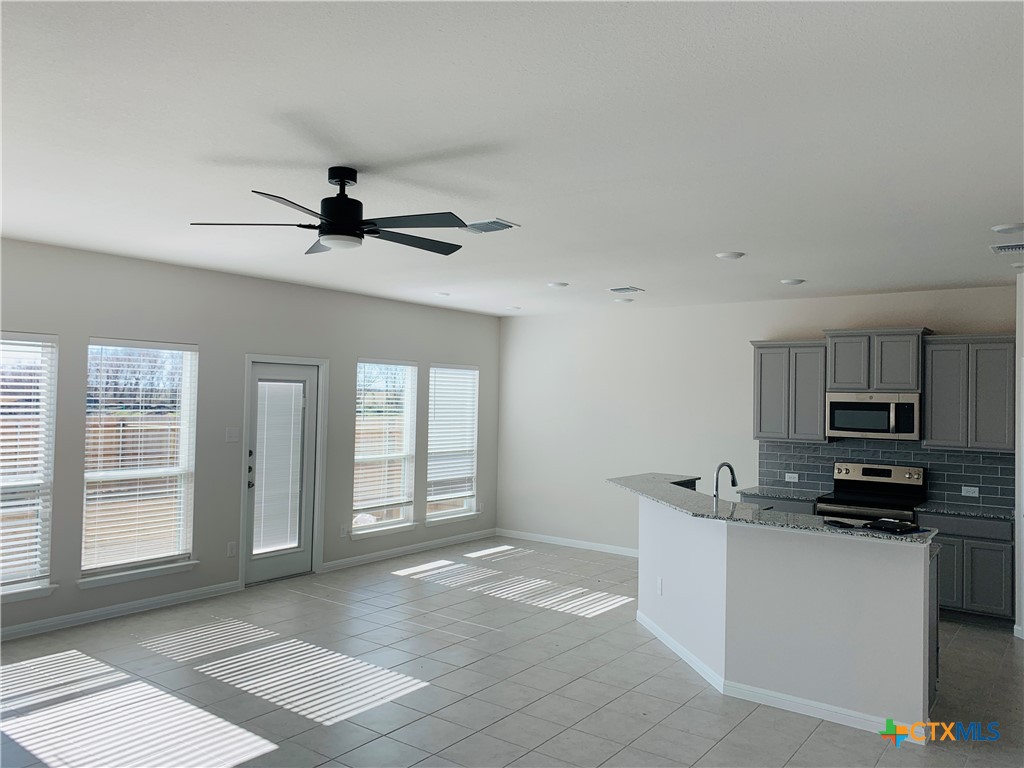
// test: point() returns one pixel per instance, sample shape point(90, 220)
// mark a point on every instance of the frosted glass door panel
point(278, 471)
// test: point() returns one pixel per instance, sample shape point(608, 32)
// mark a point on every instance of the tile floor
point(527, 655)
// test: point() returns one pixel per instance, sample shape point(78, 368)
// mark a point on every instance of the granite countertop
point(794, 494)
point(658, 487)
point(965, 510)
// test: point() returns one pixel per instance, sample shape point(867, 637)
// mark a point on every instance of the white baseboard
point(817, 709)
point(578, 543)
point(121, 609)
point(1018, 630)
point(372, 557)
point(699, 666)
point(807, 707)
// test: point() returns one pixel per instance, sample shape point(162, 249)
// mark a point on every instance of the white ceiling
point(862, 147)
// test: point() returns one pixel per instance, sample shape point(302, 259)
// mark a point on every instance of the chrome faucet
point(718, 473)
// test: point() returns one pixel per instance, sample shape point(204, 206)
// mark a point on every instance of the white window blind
point(385, 457)
point(278, 503)
point(139, 453)
point(28, 398)
point(451, 441)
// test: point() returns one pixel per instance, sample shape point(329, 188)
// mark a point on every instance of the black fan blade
point(435, 246)
point(247, 224)
point(290, 204)
point(317, 248)
point(447, 219)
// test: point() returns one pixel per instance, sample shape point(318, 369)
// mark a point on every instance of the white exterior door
point(281, 429)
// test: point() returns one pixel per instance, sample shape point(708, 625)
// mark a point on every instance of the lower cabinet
point(974, 575)
point(988, 577)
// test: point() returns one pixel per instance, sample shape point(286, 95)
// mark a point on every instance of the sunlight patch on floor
point(54, 711)
point(191, 643)
point(557, 597)
point(314, 682)
point(36, 681)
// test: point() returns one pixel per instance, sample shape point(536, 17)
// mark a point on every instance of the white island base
point(827, 625)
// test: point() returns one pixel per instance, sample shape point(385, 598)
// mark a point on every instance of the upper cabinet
point(887, 360)
point(849, 363)
point(789, 391)
point(969, 392)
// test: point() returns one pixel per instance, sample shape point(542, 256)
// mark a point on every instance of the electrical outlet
point(232, 549)
point(661, 586)
point(969, 490)
point(792, 477)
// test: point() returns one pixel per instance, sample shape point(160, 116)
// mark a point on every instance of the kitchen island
point(777, 608)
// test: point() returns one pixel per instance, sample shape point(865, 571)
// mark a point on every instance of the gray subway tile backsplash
point(947, 469)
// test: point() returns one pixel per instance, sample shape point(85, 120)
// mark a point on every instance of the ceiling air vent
point(627, 289)
point(491, 225)
point(1008, 248)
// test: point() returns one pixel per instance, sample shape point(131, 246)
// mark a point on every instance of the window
point(140, 419)
point(385, 457)
point(28, 397)
point(451, 442)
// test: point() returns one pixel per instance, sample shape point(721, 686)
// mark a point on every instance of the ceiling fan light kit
point(342, 224)
point(340, 241)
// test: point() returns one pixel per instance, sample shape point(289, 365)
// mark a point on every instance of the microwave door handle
point(892, 417)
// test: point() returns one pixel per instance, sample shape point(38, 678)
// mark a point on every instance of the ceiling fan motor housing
point(345, 214)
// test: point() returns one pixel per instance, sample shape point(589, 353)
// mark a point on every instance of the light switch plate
point(231, 435)
point(969, 490)
point(792, 477)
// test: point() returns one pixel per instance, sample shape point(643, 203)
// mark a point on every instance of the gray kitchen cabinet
point(881, 359)
point(950, 576)
point(969, 392)
point(771, 393)
point(789, 391)
point(945, 394)
point(975, 568)
point(897, 362)
point(991, 399)
point(849, 366)
point(807, 392)
point(988, 577)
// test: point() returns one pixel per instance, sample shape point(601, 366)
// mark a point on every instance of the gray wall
point(77, 294)
point(948, 470)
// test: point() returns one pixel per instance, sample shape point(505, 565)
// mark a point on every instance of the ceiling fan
point(342, 224)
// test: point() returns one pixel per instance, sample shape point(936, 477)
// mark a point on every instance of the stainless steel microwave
point(879, 415)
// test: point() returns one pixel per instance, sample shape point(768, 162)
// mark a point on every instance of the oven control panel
point(880, 473)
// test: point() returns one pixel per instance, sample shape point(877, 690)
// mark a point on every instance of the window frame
point(39, 585)
point(184, 471)
point(470, 507)
point(408, 458)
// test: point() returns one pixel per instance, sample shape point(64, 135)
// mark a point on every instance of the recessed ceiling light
point(792, 281)
point(558, 285)
point(1008, 229)
point(442, 293)
point(623, 301)
point(513, 309)
point(730, 255)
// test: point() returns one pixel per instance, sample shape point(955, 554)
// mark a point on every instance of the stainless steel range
point(866, 492)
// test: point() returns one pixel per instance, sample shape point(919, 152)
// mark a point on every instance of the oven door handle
point(837, 509)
